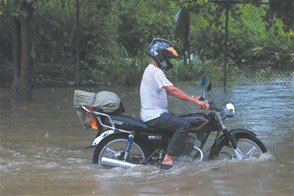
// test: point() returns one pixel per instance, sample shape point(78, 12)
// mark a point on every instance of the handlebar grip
point(201, 98)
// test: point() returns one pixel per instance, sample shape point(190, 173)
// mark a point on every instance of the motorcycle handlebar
point(208, 102)
point(202, 99)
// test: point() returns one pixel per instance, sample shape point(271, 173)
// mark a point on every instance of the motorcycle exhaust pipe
point(116, 163)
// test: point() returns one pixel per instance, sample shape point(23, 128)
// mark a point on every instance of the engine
point(189, 145)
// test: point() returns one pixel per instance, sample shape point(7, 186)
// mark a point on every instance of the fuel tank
point(198, 120)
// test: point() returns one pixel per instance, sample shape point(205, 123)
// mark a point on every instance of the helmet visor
point(171, 52)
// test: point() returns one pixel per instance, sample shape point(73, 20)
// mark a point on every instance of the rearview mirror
point(203, 81)
point(209, 86)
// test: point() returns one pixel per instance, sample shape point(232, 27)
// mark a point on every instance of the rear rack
point(112, 127)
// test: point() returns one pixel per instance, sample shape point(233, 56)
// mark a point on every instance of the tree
point(283, 10)
point(21, 49)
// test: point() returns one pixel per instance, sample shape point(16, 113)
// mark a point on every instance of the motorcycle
point(126, 141)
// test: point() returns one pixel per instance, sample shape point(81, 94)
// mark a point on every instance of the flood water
point(42, 148)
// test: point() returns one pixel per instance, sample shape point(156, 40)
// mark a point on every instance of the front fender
point(235, 134)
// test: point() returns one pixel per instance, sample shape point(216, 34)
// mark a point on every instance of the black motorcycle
point(125, 141)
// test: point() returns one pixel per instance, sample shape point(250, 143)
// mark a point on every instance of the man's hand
point(202, 104)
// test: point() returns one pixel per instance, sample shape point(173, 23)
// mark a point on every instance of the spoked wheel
point(247, 146)
point(113, 151)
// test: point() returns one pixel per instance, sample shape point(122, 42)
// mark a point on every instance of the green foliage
point(120, 70)
point(141, 21)
point(115, 66)
point(198, 67)
point(113, 37)
point(263, 74)
point(283, 10)
point(251, 43)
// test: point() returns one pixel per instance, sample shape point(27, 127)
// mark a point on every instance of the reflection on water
point(42, 148)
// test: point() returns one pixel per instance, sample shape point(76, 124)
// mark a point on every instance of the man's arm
point(178, 93)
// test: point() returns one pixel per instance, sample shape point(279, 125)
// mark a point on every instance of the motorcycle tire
point(249, 146)
point(113, 147)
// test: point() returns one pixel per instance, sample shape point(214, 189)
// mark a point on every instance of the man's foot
point(167, 162)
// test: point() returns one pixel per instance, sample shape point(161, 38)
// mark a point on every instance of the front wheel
point(248, 146)
point(113, 150)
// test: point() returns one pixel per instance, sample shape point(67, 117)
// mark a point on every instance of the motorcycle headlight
point(230, 109)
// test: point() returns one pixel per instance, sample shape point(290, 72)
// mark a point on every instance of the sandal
point(165, 166)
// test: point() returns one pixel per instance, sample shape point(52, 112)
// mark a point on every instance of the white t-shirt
point(153, 96)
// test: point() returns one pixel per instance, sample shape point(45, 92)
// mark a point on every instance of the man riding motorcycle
point(154, 105)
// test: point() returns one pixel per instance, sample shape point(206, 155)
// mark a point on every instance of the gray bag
point(105, 100)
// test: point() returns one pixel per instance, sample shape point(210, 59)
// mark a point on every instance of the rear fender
point(110, 134)
point(98, 139)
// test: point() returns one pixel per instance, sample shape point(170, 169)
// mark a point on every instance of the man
point(153, 94)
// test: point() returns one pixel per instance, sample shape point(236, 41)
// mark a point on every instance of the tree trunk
point(22, 78)
point(16, 57)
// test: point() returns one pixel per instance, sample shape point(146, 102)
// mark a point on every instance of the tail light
point(94, 124)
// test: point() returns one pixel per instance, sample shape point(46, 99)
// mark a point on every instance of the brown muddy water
point(42, 148)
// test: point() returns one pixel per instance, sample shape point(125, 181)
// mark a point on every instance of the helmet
point(161, 51)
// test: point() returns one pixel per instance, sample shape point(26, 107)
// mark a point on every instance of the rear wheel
point(114, 148)
point(248, 147)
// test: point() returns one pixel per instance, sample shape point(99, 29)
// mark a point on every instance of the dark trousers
point(170, 123)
